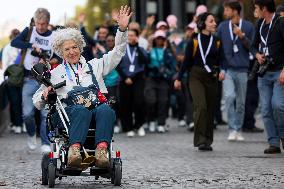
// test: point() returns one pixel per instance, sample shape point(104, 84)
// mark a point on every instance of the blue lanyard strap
point(69, 73)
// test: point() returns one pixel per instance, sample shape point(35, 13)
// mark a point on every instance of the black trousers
point(252, 99)
point(157, 97)
point(15, 99)
point(204, 93)
point(131, 101)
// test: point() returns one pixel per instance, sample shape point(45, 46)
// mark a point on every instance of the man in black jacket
point(269, 50)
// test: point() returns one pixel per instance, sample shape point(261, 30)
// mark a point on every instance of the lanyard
point(69, 73)
point(231, 30)
point(131, 56)
point(262, 38)
point(207, 51)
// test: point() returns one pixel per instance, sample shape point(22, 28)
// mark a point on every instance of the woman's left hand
point(124, 17)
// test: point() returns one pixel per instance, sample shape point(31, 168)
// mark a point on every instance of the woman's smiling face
point(71, 52)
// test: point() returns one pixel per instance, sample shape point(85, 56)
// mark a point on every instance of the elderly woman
point(68, 44)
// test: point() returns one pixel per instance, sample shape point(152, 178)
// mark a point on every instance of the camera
point(44, 54)
point(260, 69)
point(263, 67)
point(215, 70)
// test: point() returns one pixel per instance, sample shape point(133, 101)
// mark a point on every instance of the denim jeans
point(272, 106)
point(81, 119)
point(29, 88)
point(235, 86)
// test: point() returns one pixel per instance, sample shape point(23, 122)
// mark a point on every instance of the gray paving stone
point(159, 161)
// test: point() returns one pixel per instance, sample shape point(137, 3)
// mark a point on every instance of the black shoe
point(205, 147)
point(253, 130)
point(272, 150)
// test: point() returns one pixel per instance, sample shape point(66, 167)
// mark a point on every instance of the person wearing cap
point(160, 71)
point(236, 35)
point(162, 25)
point(199, 10)
point(189, 31)
point(203, 63)
point(172, 23)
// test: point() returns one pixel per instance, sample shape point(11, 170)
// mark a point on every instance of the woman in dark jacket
point(202, 61)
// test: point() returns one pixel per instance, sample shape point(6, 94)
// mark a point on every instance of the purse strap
point(27, 39)
point(93, 76)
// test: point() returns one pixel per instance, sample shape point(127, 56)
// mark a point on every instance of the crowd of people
point(167, 71)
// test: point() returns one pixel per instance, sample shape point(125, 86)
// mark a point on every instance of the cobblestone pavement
point(159, 161)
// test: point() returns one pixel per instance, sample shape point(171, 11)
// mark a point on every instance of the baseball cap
point(159, 33)
point(191, 25)
point(161, 23)
point(200, 9)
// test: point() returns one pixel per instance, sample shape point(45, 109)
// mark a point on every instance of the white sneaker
point(32, 142)
point(232, 136)
point(12, 129)
point(167, 128)
point(45, 148)
point(146, 127)
point(18, 130)
point(24, 129)
point(152, 126)
point(161, 129)
point(141, 131)
point(130, 134)
point(181, 123)
point(116, 129)
point(239, 137)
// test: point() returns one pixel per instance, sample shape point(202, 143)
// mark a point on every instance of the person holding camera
point(269, 49)
point(202, 60)
point(37, 40)
point(236, 35)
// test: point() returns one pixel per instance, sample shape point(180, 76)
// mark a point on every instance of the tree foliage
point(99, 11)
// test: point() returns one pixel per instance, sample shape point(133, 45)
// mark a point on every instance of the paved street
point(159, 161)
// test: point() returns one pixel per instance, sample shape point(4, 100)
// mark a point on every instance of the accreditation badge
point(235, 48)
point(131, 68)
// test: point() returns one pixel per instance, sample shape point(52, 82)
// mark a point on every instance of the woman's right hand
point(177, 85)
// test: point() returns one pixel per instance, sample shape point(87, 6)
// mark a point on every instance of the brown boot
point(74, 157)
point(102, 157)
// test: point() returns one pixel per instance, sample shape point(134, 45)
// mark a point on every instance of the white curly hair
point(62, 35)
